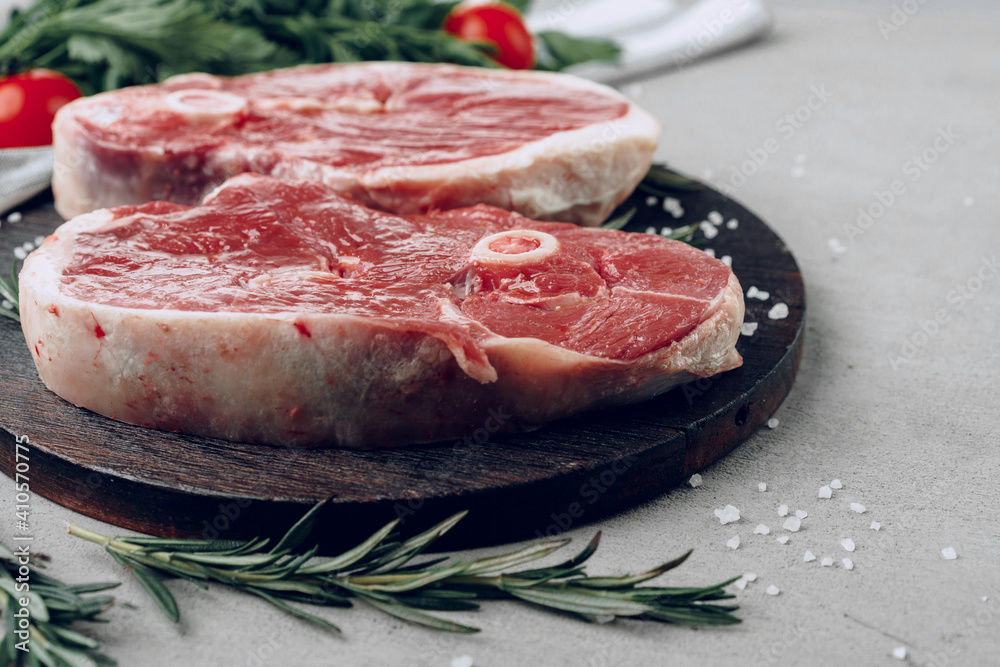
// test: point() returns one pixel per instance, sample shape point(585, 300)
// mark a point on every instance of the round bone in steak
point(279, 312)
point(401, 137)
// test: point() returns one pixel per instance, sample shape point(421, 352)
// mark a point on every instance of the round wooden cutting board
point(537, 484)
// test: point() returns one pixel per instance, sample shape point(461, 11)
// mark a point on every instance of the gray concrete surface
point(915, 441)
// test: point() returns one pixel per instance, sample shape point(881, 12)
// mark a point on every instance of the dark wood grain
point(543, 483)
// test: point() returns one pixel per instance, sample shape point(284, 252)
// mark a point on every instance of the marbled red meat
point(279, 312)
point(402, 137)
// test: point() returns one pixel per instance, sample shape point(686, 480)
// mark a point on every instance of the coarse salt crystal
point(772, 590)
point(837, 246)
point(801, 514)
point(899, 653)
point(750, 576)
point(39, 240)
point(695, 481)
point(650, 230)
point(761, 529)
point(741, 584)
point(809, 557)
point(710, 252)
point(783, 510)
point(773, 422)
point(847, 543)
point(752, 292)
point(652, 201)
point(715, 218)
point(949, 553)
point(876, 525)
point(778, 312)
point(727, 260)
point(783, 539)
point(762, 486)
point(836, 484)
point(858, 507)
point(708, 229)
point(733, 223)
point(463, 661)
point(28, 246)
point(825, 492)
point(985, 598)
point(7, 304)
point(728, 514)
point(666, 231)
point(733, 542)
point(748, 328)
point(19, 253)
point(14, 217)
point(792, 523)
point(827, 561)
point(848, 563)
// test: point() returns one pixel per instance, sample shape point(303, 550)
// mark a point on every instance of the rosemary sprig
point(8, 292)
point(52, 609)
point(661, 180)
point(382, 573)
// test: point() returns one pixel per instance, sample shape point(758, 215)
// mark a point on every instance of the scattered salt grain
point(464, 661)
point(666, 231)
point(650, 230)
point(14, 217)
point(772, 590)
point(728, 514)
point(847, 543)
point(708, 229)
point(848, 563)
point(752, 291)
point(710, 252)
point(695, 481)
point(750, 576)
point(773, 422)
point(858, 507)
point(837, 246)
point(19, 253)
point(778, 312)
point(715, 218)
point(727, 260)
point(801, 514)
point(7, 304)
point(825, 492)
point(762, 486)
point(652, 201)
point(836, 484)
point(899, 653)
point(985, 598)
point(826, 562)
point(748, 328)
point(761, 529)
point(783, 510)
point(39, 240)
point(733, 542)
point(783, 539)
point(876, 525)
point(741, 584)
point(673, 207)
point(733, 223)
point(809, 557)
point(949, 553)
point(792, 523)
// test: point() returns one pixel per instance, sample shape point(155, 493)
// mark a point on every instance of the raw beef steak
point(401, 137)
point(279, 312)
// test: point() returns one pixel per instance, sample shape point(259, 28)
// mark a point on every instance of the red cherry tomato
point(497, 23)
point(28, 103)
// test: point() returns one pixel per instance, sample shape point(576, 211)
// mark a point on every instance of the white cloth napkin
point(24, 172)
